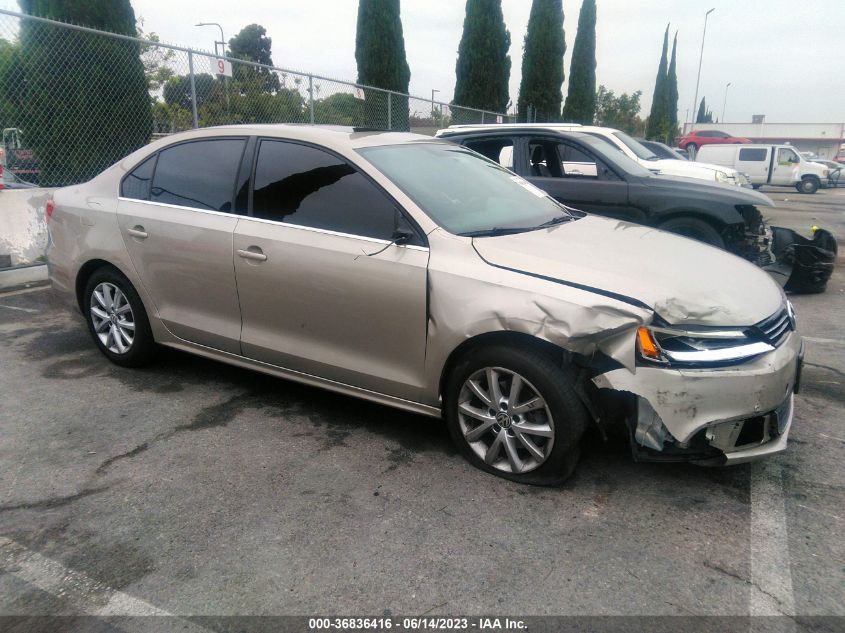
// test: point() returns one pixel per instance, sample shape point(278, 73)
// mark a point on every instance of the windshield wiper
point(554, 221)
point(497, 230)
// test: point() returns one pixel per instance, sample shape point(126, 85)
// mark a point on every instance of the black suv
point(587, 173)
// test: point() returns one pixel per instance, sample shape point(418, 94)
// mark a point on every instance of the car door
point(786, 167)
point(573, 175)
point(322, 289)
point(753, 161)
point(176, 216)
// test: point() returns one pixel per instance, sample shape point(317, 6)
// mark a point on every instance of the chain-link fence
point(74, 100)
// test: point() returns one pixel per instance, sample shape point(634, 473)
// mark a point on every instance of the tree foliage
point(704, 114)
point(542, 63)
point(620, 112)
point(381, 60)
point(484, 66)
point(657, 118)
point(87, 103)
point(581, 96)
point(12, 97)
point(252, 44)
point(672, 94)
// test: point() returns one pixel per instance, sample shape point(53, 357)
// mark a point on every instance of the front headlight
point(721, 177)
point(743, 178)
point(697, 345)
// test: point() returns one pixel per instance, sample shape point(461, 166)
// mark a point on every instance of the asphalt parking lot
point(194, 488)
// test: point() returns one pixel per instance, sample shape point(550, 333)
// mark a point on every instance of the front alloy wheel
point(505, 420)
point(111, 314)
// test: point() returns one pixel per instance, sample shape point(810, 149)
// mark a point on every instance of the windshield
point(640, 151)
point(463, 192)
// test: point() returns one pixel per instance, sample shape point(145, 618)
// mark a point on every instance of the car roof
point(552, 127)
point(336, 137)
point(507, 130)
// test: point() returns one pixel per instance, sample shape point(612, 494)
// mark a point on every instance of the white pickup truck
point(779, 165)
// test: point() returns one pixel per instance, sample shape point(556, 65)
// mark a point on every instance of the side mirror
point(402, 236)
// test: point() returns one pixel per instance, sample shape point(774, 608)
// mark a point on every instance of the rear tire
point(117, 319)
point(692, 149)
point(494, 427)
point(808, 185)
point(695, 229)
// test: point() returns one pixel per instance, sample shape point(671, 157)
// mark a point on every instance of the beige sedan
point(420, 275)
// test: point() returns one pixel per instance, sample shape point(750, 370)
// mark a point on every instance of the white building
point(823, 139)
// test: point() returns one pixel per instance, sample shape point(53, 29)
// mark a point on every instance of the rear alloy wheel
point(117, 320)
point(808, 185)
point(695, 229)
point(514, 412)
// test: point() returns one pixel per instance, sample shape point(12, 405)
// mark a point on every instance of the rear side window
point(306, 186)
point(198, 174)
point(752, 154)
point(136, 184)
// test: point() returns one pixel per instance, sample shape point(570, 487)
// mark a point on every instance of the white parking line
point(826, 341)
point(771, 577)
point(27, 310)
point(83, 595)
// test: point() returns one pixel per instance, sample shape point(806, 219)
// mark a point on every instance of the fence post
point(389, 110)
point(193, 89)
point(482, 117)
point(311, 97)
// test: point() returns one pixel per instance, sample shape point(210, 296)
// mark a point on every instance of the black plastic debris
point(810, 261)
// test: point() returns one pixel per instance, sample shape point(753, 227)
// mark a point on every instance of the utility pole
point(700, 58)
point(220, 53)
point(432, 103)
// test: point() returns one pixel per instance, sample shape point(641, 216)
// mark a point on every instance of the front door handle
point(254, 253)
point(138, 231)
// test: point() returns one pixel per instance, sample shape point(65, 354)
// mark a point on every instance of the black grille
point(776, 327)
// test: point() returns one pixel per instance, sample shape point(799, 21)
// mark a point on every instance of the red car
point(697, 138)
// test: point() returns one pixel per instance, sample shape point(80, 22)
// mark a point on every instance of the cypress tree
point(484, 66)
point(657, 118)
point(672, 94)
point(581, 97)
point(542, 62)
point(87, 98)
point(380, 55)
point(704, 114)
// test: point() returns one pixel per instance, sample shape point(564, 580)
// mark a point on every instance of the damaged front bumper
point(713, 416)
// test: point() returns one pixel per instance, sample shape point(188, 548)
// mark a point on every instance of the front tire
point(514, 413)
point(695, 229)
point(808, 185)
point(117, 319)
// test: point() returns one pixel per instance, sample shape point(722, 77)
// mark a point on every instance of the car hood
point(685, 189)
point(682, 280)
point(675, 167)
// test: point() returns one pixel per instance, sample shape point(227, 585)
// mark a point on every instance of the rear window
point(198, 174)
point(752, 154)
point(136, 184)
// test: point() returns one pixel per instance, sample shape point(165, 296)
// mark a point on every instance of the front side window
point(306, 186)
point(786, 156)
point(198, 174)
point(136, 184)
point(575, 163)
point(463, 192)
point(639, 150)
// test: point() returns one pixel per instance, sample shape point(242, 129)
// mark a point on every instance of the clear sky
point(783, 58)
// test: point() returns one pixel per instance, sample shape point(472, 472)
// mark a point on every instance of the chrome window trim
point(239, 216)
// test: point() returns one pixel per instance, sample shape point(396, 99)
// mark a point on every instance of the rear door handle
point(138, 231)
point(254, 253)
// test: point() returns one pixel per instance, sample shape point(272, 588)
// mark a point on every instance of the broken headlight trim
point(697, 346)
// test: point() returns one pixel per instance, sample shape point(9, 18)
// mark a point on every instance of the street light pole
point(222, 53)
point(700, 58)
point(725, 103)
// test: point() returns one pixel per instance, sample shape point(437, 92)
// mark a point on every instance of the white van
point(768, 165)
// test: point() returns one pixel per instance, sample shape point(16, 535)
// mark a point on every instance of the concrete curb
point(23, 277)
